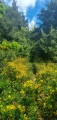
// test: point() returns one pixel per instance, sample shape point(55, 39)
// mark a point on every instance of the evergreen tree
point(11, 21)
point(35, 34)
point(48, 16)
point(14, 6)
point(2, 8)
point(46, 47)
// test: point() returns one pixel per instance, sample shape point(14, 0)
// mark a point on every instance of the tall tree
point(35, 34)
point(2, 8)
point(14, 6)
point(11, 21)
point(19, 17)
point(46, 47)
point(48, 16)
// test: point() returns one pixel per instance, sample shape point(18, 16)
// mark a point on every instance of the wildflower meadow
point(28, 96)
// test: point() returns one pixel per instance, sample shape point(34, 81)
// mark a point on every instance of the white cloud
point(5, 0)
point(23, 6)
point(32, 23)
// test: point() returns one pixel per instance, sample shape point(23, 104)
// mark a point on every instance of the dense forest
point(28, 64)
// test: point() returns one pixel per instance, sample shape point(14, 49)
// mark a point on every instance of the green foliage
point(35, 34)
point(48, 16)
point(22, 36)
point(24, 96)
point(13, 27)
point(2, 9)
point(46, 76)
point(13, 50)
point(11, 45)
point(14, 7)
point(46, 47)
point(28, 90)
point(12, 20)
point(9, 55)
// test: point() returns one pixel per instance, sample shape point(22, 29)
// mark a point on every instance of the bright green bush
point(15, 48)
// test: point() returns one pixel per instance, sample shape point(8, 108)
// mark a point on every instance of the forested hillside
point(28, 64)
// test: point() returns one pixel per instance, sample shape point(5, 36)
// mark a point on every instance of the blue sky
point(30, 8)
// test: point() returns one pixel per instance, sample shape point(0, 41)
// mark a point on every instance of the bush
point(27, 96)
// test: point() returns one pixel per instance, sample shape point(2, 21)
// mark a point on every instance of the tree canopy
point(12, 20)
point(48, 16)
point(39, 43)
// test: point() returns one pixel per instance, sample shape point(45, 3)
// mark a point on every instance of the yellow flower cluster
point(22, 92)
point(28, 83)
point(20, 67)
point(21, 108)
point(41, 80)
point(3, 109)
point(37, 93)
point(10, 107)
point(25, 117)
point(44, 69)
point(37, 86)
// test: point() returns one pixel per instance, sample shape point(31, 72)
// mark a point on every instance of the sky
point(30, 8)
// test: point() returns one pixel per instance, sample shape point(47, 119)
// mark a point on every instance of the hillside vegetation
point(28, 64)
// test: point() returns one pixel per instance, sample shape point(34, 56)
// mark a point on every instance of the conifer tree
point(48, 16)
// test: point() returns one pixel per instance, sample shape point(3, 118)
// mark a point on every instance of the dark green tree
point(24, 21)
point(35, 34)
point(46, 47)
point(14, 6)
point(11, 22)
point(48, 16)
point(19, 17)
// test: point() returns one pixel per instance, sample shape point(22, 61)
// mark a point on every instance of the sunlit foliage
point(25, 96)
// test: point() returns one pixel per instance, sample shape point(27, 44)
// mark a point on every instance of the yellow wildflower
point(55, 113)
point(1, 105)
point(10, 115)
point(44, 105)
point(9, 96)
point(41, 80)
point(22, 92)
point(52, 90)
point(38, 85)
point(3, 109)
point(21, 108)
point(55, 71)
point(24, 84)
point(9, 91)
point(25, 117)
point(10, 107)
point(18, 106)
point(0, 98)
